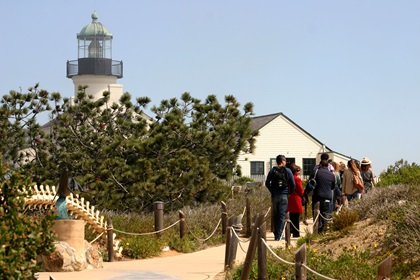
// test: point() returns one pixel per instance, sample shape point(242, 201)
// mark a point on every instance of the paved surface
point(200, 265)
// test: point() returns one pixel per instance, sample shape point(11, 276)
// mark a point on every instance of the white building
point(280, 135)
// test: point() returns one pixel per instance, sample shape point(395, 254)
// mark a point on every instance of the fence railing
point(256, 228)
point(257, 243)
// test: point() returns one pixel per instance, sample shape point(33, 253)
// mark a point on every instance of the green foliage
point(307, 238)
point(344, 219)
point(140, 247)
point(23, 139)
point(22, 237)
point(401, 173)
point(352, 264)
point(126, 160)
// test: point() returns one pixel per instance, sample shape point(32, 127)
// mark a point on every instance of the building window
point(257, 167)
point(308, 166)
point(289, 161)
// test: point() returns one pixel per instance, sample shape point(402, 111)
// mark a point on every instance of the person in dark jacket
point(279, 195)
point(325, 182)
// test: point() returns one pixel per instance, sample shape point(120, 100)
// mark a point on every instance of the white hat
point(366, 161)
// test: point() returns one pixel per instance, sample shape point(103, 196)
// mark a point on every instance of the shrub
point(344, 219)
point(401, 173)
point(22, 237)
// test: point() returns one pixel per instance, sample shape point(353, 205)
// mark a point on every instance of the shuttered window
point(257, 167)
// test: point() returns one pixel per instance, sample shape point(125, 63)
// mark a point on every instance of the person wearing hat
point(367, 174)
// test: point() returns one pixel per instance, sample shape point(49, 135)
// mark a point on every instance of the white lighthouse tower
point(94, 66)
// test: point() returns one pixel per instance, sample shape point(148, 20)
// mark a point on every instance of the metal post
point(158, 206)
point(181, 224)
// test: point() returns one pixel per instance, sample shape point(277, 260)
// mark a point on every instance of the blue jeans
point(279, 210)
point(352, 196)
point(324, 209)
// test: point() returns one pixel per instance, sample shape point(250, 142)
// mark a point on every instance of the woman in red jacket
point(294, 206)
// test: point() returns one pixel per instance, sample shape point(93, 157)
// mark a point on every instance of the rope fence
point(204, 240)
point(145, 233)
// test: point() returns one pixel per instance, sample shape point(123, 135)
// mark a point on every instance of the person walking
point(336, 201)
point(367, 174)
point(280, 183)
point(325, 156)
point(295, 201)
point(349, 191)
point(325, 183)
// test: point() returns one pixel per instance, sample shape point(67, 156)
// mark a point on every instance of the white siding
point(281, 136)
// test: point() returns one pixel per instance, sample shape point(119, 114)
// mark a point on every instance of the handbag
point(358, 182)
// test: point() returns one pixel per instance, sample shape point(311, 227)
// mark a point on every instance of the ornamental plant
point(22, 237)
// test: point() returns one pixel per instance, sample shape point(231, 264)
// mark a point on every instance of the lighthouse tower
point(94, 66)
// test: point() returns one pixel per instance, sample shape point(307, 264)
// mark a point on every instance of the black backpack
point(280, 178)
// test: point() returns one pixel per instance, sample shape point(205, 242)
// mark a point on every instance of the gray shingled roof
point(259, 122)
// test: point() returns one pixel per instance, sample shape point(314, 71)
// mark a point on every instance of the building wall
point(97, 85)
point(281, 136)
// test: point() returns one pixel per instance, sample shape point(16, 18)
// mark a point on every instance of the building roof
point(94, 29)
point(261, 121)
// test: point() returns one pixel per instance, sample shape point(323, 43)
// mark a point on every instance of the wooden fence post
point(316, 216)
point(384, 269)
point(287, 225)
point(224, 217)
point(262, 252)
point(110, 239)
point(158, 206)
point(236, 227)
point(229, 235)
point(272, 218)
point(248, 217)
point(252, 247)
point(181, 224)
point(300, 258)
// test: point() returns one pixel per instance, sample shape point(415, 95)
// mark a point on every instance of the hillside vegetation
point(386, 221)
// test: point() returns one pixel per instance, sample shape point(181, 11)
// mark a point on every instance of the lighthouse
point(94, 66)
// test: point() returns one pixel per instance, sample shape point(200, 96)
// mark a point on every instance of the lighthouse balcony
point(94, 66)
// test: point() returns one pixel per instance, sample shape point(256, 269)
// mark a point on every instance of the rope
point(97, 237)
point(268, 211)
point(290, 222)
point(204, 240)
point(243, 241)
point(317, 216)
point(146, 233)
point(327, 219)
point(240, 246)
point(274, 254)
point(290, 263)
point(316, 273)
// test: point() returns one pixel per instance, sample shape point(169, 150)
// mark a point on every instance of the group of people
point(334, 187)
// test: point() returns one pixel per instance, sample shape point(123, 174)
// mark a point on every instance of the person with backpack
point(280, 183)
point(325, 183)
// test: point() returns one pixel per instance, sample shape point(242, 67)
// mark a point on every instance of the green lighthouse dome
point(94, 29)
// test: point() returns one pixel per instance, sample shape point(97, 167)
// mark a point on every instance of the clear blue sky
point(348, 72)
